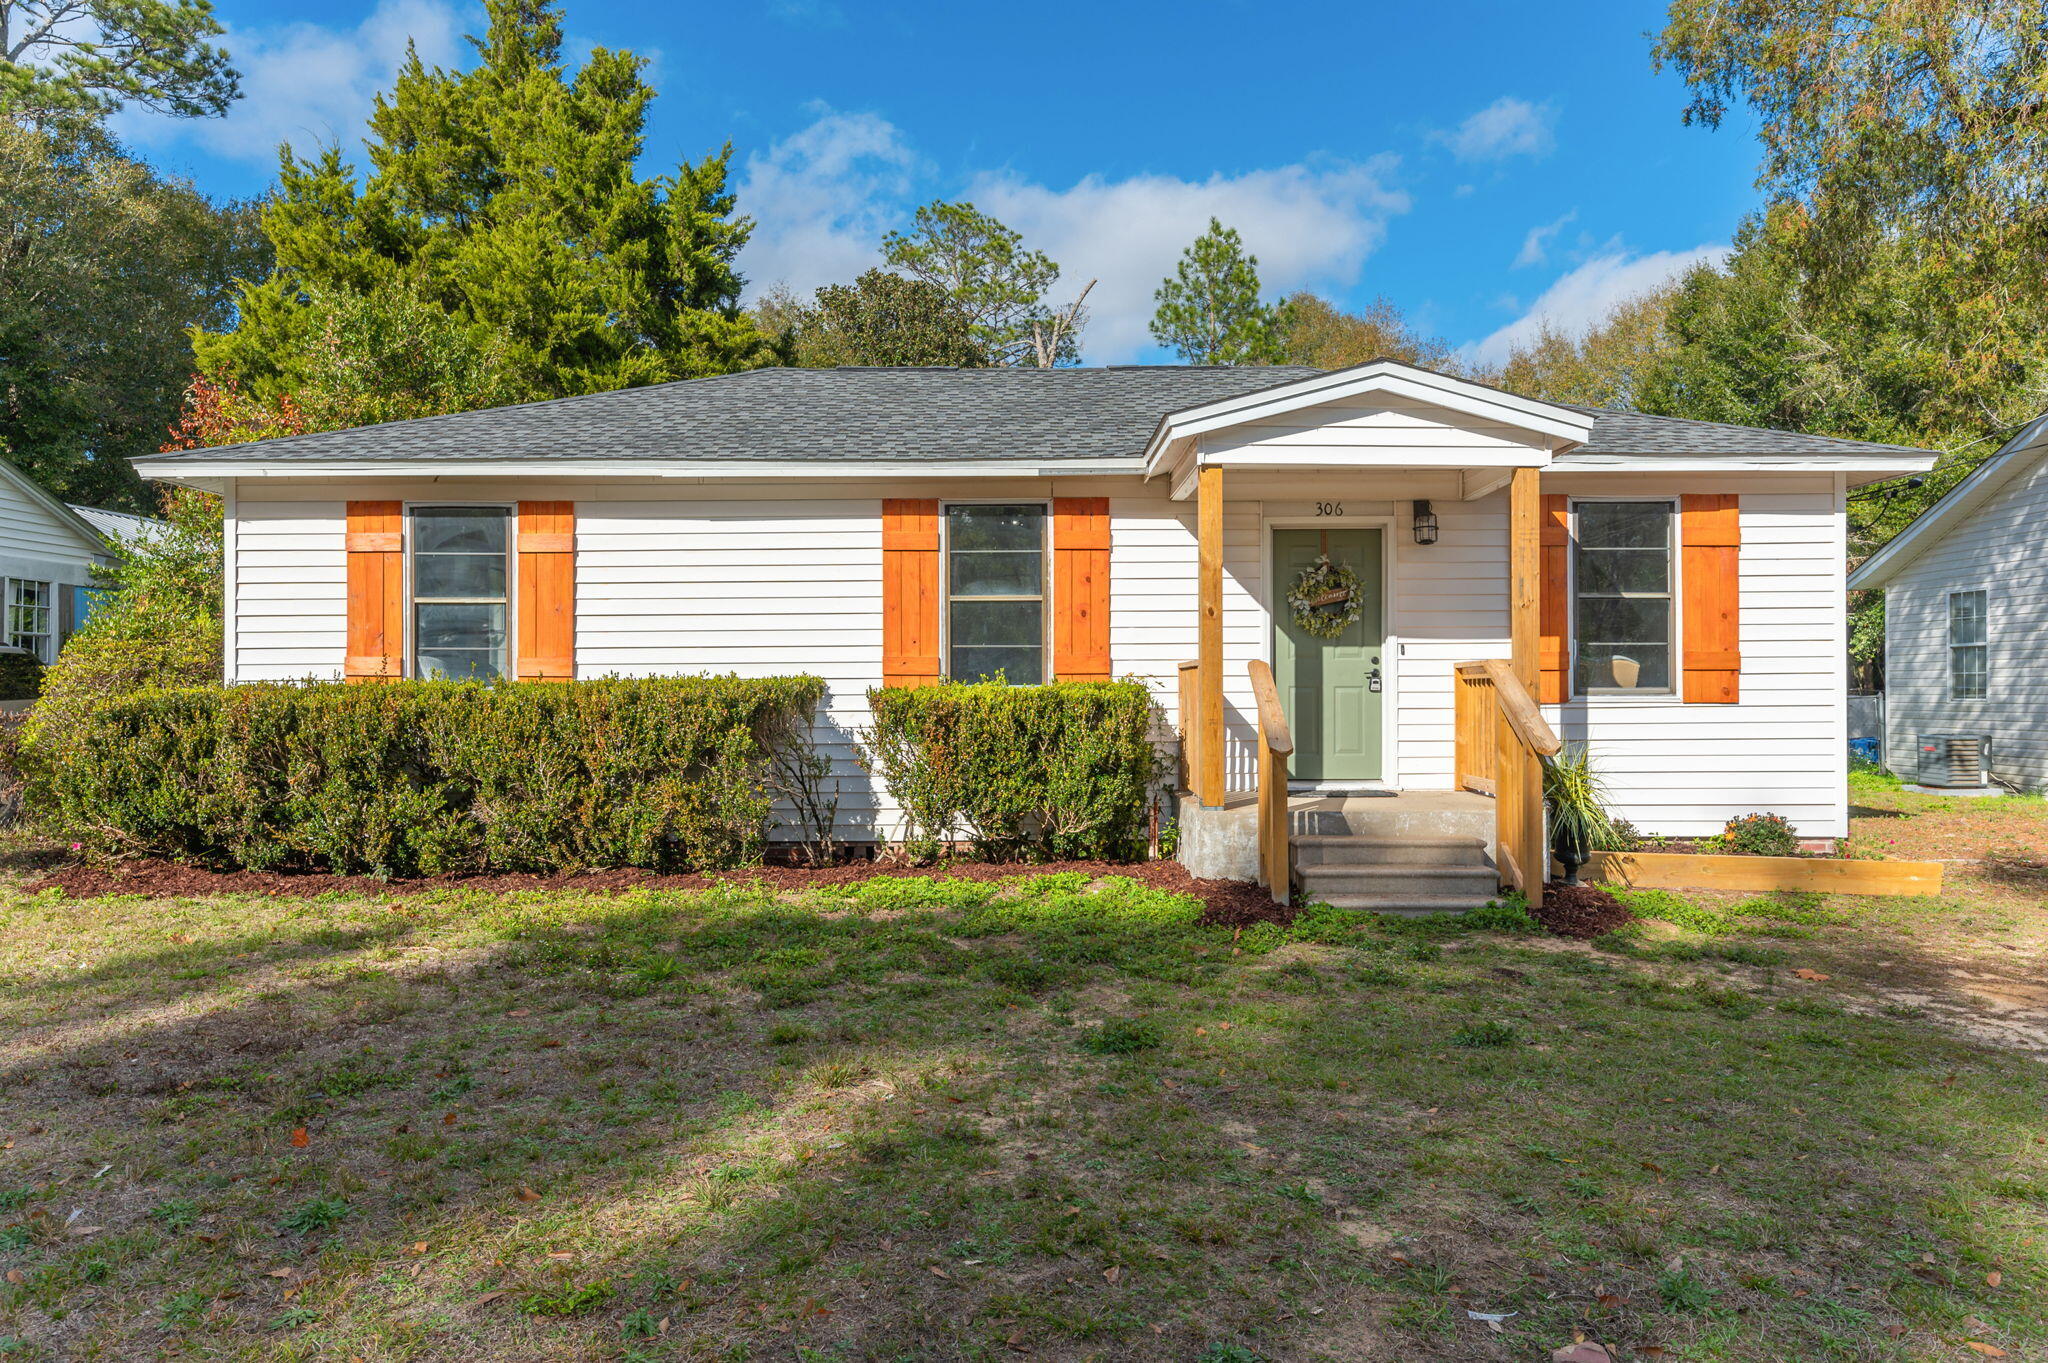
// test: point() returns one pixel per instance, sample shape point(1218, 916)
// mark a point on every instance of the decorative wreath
point(1325, 598)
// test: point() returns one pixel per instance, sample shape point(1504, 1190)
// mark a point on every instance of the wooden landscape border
point(1829, 875)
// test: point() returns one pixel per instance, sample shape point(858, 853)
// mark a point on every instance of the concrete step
point(1474, 884)
point(1405, 906)
point(1424, 815)
point(1350, 849)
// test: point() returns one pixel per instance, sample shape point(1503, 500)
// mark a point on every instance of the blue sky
point(1484, 165)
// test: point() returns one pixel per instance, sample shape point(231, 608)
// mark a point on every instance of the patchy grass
point(924, 1119)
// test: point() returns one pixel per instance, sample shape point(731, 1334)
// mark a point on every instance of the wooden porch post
point(1209, 779)
point(1525, 575)
point(1525, 588)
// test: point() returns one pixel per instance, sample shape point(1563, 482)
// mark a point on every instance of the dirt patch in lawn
point(1227, 903)
point(1582, 912)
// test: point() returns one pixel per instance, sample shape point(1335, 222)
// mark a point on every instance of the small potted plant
point(1576, 803)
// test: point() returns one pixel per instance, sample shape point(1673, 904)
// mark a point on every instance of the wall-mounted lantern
point(1425, 524)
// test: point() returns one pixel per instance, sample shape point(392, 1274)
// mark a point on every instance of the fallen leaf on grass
point(519, 1013)
point(1807, 973)
point(1988, 1350)
point(1583, 1352)
point(1112, 1273)
point(488, 1296)
point(563, 1254)
point(527, 1194)
point(278, 1273)
point(938, 1272)
point(1993, 1278)
point(15, 1275)
point(301, 1137)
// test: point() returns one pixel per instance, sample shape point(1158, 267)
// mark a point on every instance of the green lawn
point(1047, 1118)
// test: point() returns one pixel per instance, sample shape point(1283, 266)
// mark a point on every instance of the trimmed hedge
point(21, 675)
point(425, 778)
point(1063, 771)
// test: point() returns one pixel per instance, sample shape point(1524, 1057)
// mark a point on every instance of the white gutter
point(1960, 500)
point(181, 470)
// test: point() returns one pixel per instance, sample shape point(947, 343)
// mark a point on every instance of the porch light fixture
point(1425, 524)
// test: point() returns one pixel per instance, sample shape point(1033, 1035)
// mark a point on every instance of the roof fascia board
point(1930, 525)
point(1882, 466)
point(1556, 424)
point(1366, 458)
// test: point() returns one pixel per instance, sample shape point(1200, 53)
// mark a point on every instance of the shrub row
point(1061, 771)
point(424, 778)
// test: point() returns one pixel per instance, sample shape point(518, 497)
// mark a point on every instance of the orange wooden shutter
point(1710, 533)
point(545, 629)
point(375, 650)
point(910, 591)
point(1080, 588)
point(1554, 607)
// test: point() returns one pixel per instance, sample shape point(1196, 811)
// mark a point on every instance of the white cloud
point(1310, 226)
point(308, 84)
point(1578, 300)
point(1536, 246)
point(824, 197)
point(821, 200)
point(1507, 127)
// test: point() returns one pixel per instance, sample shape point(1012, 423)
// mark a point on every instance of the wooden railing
point(1276, 745)
point(1190, 725)
point(1502, 740)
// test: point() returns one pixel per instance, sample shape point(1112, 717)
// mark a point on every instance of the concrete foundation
point(1220, 843)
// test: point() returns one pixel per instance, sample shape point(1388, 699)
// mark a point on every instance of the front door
point(1330, 688)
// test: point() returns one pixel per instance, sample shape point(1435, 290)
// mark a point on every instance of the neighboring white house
point(47, 552)
point(893, 526)
point(1966, 624)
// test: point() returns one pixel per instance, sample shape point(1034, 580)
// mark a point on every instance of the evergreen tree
point(1209, 308)
point(879, 319)
point(506, 197)
point(1000, 286)
point(66, 64)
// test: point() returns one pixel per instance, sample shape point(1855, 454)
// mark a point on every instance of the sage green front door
point(1331, 688)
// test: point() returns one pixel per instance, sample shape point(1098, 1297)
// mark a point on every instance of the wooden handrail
point(1521, 710)
point(1276, 745)
point(1272, 719)
point(1190, 724)
point(1502, 739)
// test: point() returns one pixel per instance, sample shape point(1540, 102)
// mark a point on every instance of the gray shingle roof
point(1635, 433)
point(860, 416)
point(854, 415)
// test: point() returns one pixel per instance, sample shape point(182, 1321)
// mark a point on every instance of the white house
point(47, 553)
point(1966, 626)
point(1680, 584)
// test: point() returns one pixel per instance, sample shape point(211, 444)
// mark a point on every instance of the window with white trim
point(995, 591)
point(29, 612)
point(1624, 613)
point(460, 575)
point(1969, 644)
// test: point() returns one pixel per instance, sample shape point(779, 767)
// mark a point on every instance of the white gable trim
point(95, 543)
point(1553, 426)
point(1927, 529)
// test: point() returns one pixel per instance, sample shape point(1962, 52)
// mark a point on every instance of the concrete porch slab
point(1222, 842)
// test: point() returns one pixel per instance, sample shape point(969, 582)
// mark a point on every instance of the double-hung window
point(995, 592)
point(1969, 643)
point(460, 575)
point(29, 613)
point(1623, 617)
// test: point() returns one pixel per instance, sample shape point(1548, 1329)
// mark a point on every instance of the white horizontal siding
point(770, 578)
point(38, 545)
point(1996, 549)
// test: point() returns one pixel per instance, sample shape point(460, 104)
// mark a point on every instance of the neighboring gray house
point(1966, 626)
point(47, 553)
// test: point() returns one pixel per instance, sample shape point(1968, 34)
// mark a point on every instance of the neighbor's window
point(1968, 643)
point(1623, 614)
point(995, 592)
point(28, 616)
point(461, 559)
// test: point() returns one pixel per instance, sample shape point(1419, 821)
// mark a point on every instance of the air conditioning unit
point(1955, 760)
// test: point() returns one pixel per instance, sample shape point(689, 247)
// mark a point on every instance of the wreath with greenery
point(1325, 598)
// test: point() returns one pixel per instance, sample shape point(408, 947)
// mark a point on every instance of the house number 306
point(1329, 508)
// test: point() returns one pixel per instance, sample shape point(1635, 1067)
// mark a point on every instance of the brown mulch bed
point(1228, 903)
point(1582, 912)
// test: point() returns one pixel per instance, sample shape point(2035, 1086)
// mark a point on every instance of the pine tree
point(506, 196)
point(1209, 308)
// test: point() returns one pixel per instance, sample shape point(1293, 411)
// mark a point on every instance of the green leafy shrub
point(1623, 836)
point(21, 675)
point(1061, 771)
point(1760, 835)
point(423, 778)
point(1492, 1032)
